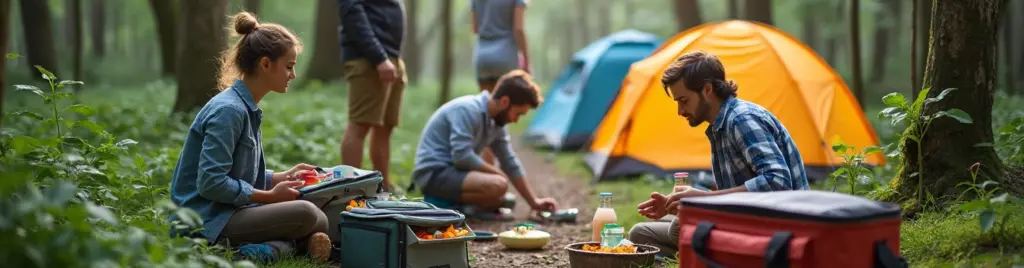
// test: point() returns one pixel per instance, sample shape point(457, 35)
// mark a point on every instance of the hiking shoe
point(319, 246)
point(260, 253)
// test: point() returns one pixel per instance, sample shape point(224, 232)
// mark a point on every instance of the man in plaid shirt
point(751, 150)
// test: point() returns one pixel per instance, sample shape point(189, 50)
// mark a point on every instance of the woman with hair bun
point(221, 173)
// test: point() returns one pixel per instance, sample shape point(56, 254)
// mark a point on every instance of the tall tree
point(75, 29)
point(411, 56)
point(604, 25)
point(887, 25)
point(924, 18)
point(759, 11)
point(582, 22)
point(446, 52)
point(326, 63)
point(36, 21)
point(687, 14)
point(98, 27)
point(253, 6)
point(166, 14)
point(5, 26)
point(203, 37)
point(858, 87)
point(964, 60)
point(734, 9)
point(629, 8)
point(1018, 39)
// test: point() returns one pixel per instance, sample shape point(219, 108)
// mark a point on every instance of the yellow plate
point(533, 239)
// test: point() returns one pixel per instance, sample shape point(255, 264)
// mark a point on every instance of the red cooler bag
point(788, 229)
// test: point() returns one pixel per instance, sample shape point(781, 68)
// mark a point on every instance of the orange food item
point(353, 204)
point(445, 233)
point(617, 249)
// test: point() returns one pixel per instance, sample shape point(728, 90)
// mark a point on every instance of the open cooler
point(399, 234)
point(342, 186)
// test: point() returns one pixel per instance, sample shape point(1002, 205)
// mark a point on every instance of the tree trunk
point(734, 10)
point(5, 26)
point(858, 87)
point(582, 22)
point(962, 57)
point(253, 6)
point(98, 26)
point(832, 41)
point(1006, 48)
point(924, 18)
point(36, 21)
point(811, 31)
point(1018, 40)
point(914, 28)
point(629, 8)
point(203, 37)
point(604, 25)
point(75, 28)
point(411, 56)
point(687, 14)
point(446, 52)
point(326, 63)
point(166, 14)
point(759, 11)
point(887, 22)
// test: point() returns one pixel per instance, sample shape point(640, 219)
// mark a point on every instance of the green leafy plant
point(1011, 140)
point(853, 168)
point(73, 196)
point(985, 204)
point(899, 109)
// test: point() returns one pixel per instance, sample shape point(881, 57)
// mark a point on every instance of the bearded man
point(448, 165)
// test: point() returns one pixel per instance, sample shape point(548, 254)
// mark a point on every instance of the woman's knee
point(313, 219)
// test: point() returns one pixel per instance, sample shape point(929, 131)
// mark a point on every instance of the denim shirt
point(457, 133)
point(221, 163)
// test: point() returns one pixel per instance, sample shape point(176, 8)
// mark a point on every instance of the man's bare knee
point(360, 129)
point(498, 187)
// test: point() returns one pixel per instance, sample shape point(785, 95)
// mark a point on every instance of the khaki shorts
point(369, 101)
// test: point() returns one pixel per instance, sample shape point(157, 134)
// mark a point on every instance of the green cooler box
point(384, 234)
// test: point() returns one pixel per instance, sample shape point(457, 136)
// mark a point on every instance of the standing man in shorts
point(371, 40)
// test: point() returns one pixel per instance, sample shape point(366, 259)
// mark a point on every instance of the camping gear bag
point(788, 229)
point(344, 184)
point(384, 235)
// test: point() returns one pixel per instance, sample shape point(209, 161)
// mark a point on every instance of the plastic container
point(611, 235)
point(604, 214)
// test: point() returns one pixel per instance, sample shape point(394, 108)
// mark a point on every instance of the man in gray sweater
point(448, 165)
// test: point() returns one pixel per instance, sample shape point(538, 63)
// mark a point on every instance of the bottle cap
point(682, 174)
point(606, 194)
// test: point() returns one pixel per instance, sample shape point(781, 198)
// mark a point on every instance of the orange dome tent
point(642, 133)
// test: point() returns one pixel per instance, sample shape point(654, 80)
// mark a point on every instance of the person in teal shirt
point(221, 173)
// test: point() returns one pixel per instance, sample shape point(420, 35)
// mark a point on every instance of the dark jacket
point(371, 29)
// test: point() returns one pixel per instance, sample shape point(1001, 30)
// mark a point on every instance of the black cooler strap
point(700, 243)
point(777, 253)
point(885, 258)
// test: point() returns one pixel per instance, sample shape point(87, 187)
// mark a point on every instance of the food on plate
point(615, 249)
point(523, 236)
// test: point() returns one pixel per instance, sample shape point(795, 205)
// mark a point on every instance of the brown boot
point(319, 246)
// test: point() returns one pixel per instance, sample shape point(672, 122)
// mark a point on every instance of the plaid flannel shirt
point(750, 147)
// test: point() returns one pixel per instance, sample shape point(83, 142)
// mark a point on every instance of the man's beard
point(501, 118)
point(703, 108)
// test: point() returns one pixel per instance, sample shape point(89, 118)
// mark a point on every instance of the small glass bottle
point(682, 179)
point(604, 214)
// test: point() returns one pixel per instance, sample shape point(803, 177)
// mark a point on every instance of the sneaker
point(319, 246)
point(260, 253)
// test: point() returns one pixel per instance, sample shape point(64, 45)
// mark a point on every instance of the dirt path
point(545, 182)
